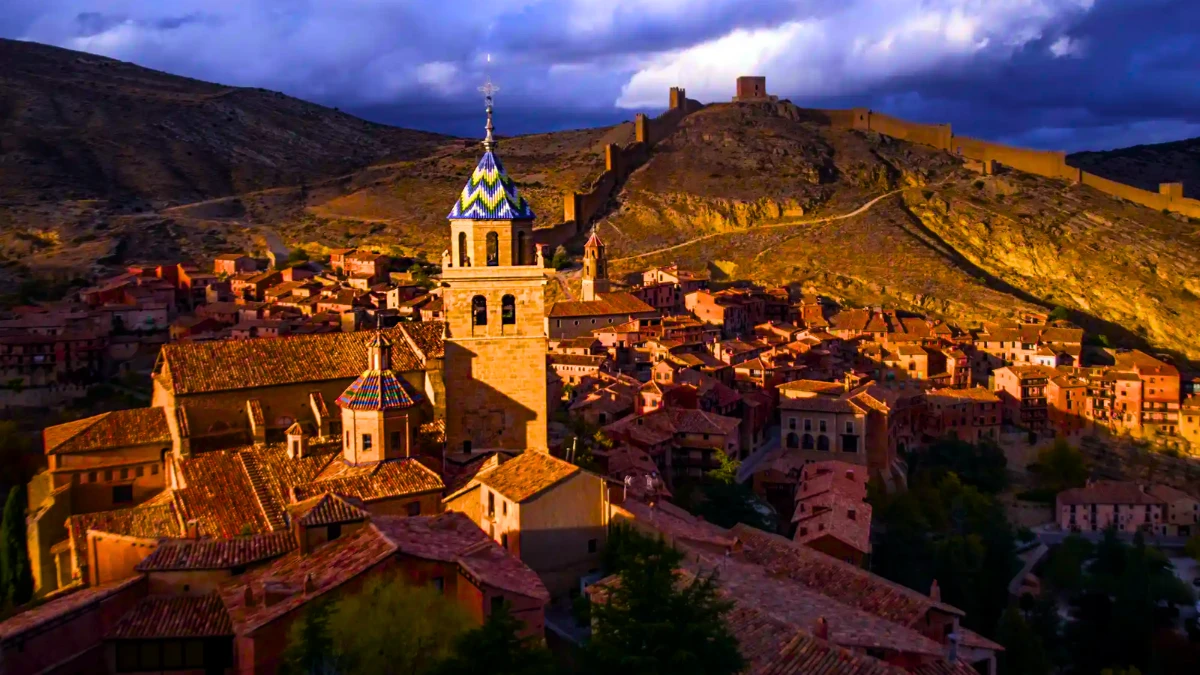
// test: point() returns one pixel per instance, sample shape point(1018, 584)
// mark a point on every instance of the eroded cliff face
point(1074, 247)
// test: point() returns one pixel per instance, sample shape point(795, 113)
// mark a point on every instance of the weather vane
point(488, 90)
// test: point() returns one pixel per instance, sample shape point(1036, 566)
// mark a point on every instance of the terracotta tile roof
point(318, 403)
point(452, 537)
point(426, 337)
point(841, 581)
point(608, 304)
point(969, 638)
point(75, 601)
point(199, 367)
point(383, 480)
point(458, 476)
point(592, 360)
point(175, 616)
point(814, 386)
point(1108, 492)
point(827, 515)
point(153, 519)
point(822, 404)
point(325, 568)
point(1166, 493)
point(117, 429)
point(217, 554)
point(775, 647)
point(528, 475)
point(976, 393)
point(325, 509)
point(1032, 371)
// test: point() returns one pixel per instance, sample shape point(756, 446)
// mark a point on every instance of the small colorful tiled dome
point(379, 390)
point(490, 194)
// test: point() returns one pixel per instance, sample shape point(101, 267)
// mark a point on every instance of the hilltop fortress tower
point(495, 362)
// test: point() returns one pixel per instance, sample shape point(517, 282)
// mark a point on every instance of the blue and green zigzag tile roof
point(375, 390)
point(490, 195)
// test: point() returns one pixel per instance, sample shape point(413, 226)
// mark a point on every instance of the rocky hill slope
point(752, 192)
point(107, 163)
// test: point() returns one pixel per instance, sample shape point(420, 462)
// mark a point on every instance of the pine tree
point(496, 648)
point(310, 645)
point(14, 556)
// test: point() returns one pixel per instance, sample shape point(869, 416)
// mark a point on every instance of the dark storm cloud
point(1048, 73)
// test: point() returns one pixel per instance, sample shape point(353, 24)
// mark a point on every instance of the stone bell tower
point(495, 363)
point(595, 269)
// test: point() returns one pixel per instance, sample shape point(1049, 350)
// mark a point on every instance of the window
point(508, 310)
point(395, 440)
point(592, 545)
point(521, 238)
point(823, 443)
point(792, 423)
point(504, 507)
point(479, 311)
point(793, 441)
point(491, 503)
point(366, 442)
point(463, 260)
point(414, 508)
point(493, 249)
point(808, 425)
point(439, 583)
point(852, 514)
point(124, 474)
point(153, 469)
point(821, 426)
point(467, 447)
point(334, 530)
point(806, 443)
point(122, 494)
point(849, 427)
point(92, 474)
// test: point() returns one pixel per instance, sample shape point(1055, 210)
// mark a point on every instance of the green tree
point(14, 454)
point(310, 649)
point(1192, 547)
point(1061, 467)
point(297, 255)
point(561, 258)
point(657, 621)
point(497, 648)
point(1060, 313)
point(14, 556)
point(1024, 653)
point(1064, 568)
point(727, 470)
point(983, 466)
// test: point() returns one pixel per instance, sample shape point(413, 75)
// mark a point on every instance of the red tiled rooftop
point(175, 616)
point(199, 367)
point(528, 475)
point(117, 429)
point(70, 603)
point(325, 509)
point(153, 519)
point(608, 304)
point(1108, 492)
point(216, 554)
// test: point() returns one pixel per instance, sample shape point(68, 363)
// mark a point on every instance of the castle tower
point(379, 410)
point(595, 268)
point(495, 362)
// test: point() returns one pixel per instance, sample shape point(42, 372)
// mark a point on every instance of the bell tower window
point(463, 260)
point(520, 257)
point(508, 310)
point(479, 311)
point(493, 249)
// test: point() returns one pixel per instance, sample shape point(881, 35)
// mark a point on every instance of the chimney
point(248, 596)
point(935, 593)
point(952, 652)
point(297, 442)
point(192, 529)
point(310, 585)
point(821, 628)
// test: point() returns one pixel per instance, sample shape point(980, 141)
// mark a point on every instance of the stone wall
point(1045, 163)
point(581, 208)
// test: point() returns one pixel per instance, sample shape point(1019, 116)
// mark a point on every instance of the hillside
point(950, 242)
point(1146, 166)
point(124, 164)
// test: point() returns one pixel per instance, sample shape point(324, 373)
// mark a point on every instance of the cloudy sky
point(1061, 74)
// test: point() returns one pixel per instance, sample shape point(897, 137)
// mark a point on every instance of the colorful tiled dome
point(490, 194)
point(379, 390)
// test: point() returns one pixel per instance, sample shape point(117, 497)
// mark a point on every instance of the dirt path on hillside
point(792, 223)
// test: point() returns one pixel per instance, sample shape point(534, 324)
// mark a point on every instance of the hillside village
point(481, 423)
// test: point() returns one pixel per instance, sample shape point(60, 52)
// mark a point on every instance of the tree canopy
point(16, 571)
point(497, 648)
point(657, 620)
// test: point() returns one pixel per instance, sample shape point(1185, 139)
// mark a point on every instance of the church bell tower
point(595, 269)
point(495, 363)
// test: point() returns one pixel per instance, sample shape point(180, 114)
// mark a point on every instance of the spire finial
point(488, 90)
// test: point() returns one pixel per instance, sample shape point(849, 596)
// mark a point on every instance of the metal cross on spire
point(488, 90)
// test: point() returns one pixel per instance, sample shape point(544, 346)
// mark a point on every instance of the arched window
point(463, 259)
point(806, 443)
point(479, 311)
point(508, 310)
point(823, 443)
point(793, 441)
point(493, 249)
point(521, 237)
point(912, 365)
